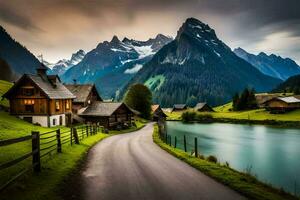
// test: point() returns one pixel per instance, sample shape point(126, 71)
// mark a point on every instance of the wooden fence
point(166, 138)
point(44, 144)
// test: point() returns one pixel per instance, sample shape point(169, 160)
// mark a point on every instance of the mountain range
point(63, 65)
point(112, 64)
point(271, 65)
point(197, 66)
point(15, 59)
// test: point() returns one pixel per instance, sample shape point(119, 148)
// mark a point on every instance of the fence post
point(87, 130)
point(166, 138)
point(184, 141)
point(58, 141)
point(196, 147)
point(175, 145)
point(170, 142)
point(71, 135)
point(91, 131)
point(75, 135)
point(36, 159)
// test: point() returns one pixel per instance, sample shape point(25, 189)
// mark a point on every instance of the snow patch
point(217, 53)
point(133, 70)
point(144, 51)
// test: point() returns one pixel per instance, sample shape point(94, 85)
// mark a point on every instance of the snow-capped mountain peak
point(61, 66)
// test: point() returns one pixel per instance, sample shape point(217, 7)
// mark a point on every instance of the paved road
point(131, 166)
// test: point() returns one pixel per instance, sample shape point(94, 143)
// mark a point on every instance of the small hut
point(282, 104)
point(158, 113)
point(179, 107)
point(203, 107)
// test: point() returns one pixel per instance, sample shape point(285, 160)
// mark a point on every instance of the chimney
point(42, 71)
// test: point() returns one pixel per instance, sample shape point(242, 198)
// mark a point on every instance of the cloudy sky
point(57, 28)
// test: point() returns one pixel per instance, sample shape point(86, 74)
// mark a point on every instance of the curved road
point(131, 166)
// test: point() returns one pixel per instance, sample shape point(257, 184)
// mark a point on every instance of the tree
point(244, 101)
point(139, 97)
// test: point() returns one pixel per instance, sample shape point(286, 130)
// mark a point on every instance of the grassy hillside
point(258, 114)
point(4, 86)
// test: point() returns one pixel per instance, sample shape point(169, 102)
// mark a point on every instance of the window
point(57, 105)
point(28, 91)
point(54, 122)
point(29, 105)
point(67, 105)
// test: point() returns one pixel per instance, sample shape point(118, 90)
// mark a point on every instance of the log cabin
point(85, 94)
point(203, 107)
point(282, 104)
point(111, 115)
point(41, 99)
point(158, 113)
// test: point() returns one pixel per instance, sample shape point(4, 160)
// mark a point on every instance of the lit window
point(29, 102)
point(67, 105)
point(57, 106)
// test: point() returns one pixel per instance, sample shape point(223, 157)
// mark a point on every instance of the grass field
point(241, 182)
point(258, 114)
point(4, 87)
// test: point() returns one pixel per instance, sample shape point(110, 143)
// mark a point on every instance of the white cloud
point(133, 70)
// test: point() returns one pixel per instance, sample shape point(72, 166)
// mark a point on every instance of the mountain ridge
point(272, 65)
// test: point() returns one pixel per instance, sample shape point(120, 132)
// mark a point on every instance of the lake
point(271, 154)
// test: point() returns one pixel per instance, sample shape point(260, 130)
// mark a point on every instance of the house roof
point(81, 91)
point(200, 105)
point(179, 106)
point(155, 107)
point(51, 90)
point(291, 99)
point(102, 109)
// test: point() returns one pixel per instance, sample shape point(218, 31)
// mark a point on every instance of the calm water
point(272, 154)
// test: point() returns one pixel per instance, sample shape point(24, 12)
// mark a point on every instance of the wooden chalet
point(108, 114)
point(158, 113)
point(282, 104)
point(203, 107)
point(179, 107)
point(85, 94)
point(41, 99)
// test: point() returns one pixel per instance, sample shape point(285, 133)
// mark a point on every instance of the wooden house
point(85, 94)
point(282, 104)
point(108, 114)
point(158, 113)
point(41, 99)
point(203, 107)
point(179, 107)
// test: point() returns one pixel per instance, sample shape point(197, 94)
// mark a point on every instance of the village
point(43, 100)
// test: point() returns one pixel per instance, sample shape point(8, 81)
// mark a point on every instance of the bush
point(204, 117)
point(188, 116)
point(212, 159)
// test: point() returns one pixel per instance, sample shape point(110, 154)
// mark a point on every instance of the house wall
point(46, 121)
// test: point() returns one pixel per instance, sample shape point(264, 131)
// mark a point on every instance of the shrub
point(204, 117)
point(188, 116)
point(212, 159)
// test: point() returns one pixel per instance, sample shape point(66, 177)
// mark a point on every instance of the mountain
point(15, 57)
point(292, 84)
point(112, 64)
point(197, 66)
point(63, 65)
point(271, 65)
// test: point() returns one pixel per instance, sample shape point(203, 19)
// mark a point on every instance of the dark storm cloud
point(251, 23)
